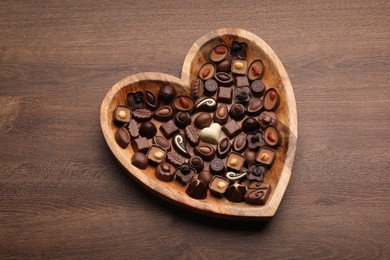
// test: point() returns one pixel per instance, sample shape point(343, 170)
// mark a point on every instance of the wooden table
point(62, 194)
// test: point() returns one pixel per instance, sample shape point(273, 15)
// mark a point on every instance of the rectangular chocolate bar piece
point(225, 95)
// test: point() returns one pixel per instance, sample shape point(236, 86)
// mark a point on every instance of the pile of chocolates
point(219, 140)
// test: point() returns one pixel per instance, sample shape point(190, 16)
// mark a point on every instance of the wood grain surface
point(62, 194)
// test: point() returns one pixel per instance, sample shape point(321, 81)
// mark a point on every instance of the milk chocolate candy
point(182, 119)
point(148, 130)
point(185, 173)
point(197, 163)
point(163, 113)
point(132, 127)
point(256, 70)
point(205, 105)
point(219, 53)
point(169, 129)
point(218, 185)
point(167, 93)
point(203, 120)
point(205, 176)
point(238, 49)
point(210, 87)
point(272, 137)
point(139, 160)
point(235, 161)
point(257, 88)
point(179, 143)
point(242, 81)
point(183, 103)
point(140, 145)
point(136, 100)
point(239, 143)
point(237, 111)
point(231, 129)
point(165, 172)
point(196, 88)
point(162, 142)
point(225, 65)
point(191, 135)
point(223, 148)
point(256, 172)
point(242, 95)
point(221, 115)
point(257, 193)
point(197, 189)
point(250, 157)
point(152, 100)
point(255, 140)
point(207, 71)
point(254, 107)
point(205, 151)
point(175, 159)
point(142, 114)
point(267, 118)
point(271, 99)
point(156, 155)
point(225, 95)
point(122, 137)
point(250, 125)
point(224, 79)
point(217, 166)
point(239, 66)
point(266, 156)
point(122, 115)
point(236, 192)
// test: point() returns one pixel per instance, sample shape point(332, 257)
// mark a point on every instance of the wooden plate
point(275, 76)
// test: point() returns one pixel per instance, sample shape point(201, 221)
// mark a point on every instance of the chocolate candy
point(238, 49)
point(267, 118)
point(211, 134)
point(239, 143)
point(242, 95)
point(205, 151)
point(183, 103)
point(163, 113)
point(182, 119)
point(255, 107)
point(237, 111)
point(256, 70)
point(256, 172)
point(235, 161)
point(217, 166)
point(148, 129)
point(178, 142)
point(219, 53)
point(196, 88)
point(272, 136)
point(225, 95)
point(255, 140)
point(205, 176)
point(169, 129)
point(122, 137)
point(197, 189)
point(165, 172)
point(122, 115)
point(152, 100)
point(271, 99)
point(257, 88)
point(218, 185)
point(231, 129)
point(233, 176)
point(162, 142)
point(242, 81)
point(224, 79)
point(175, 159)
point(136, 100)
point(132, 127)
point(142, 114)
point(239, 66)
point(266, 156)
point(224, 66)
point(140, 145)
point(197, 163)
point(236, 192)
point(167, 93)
point(250, 157)
point(223, 148)
point(250, 125)
point(205, 105)
point(185, 173)
point(207, 71)
point(203, 120)
point(210, 87)
point(221, 115)
point(156, 154)
point(139, 160)
point(257, 193)
point(191, 135)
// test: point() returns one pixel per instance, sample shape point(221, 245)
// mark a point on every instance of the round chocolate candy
point(167, 93)
point(224, 66)
point(257, 88)
point(237, 112)
point(148, 129)
point(271, 99)
point(250, 157)
point(250, 125)
point(197, 163)
point(217, 166)
point(210, 87)
point(182, 119)
point(139, 160)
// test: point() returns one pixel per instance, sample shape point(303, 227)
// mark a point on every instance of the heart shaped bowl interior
point(275, 76)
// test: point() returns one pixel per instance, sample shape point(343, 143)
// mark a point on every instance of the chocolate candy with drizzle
point(178, 142)
point(233, 176)
point(205, 105)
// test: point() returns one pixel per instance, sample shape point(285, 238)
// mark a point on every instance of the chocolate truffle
point(217, 166)
point(140, 145)
point(179, 143)
point(266, 156)
point(218, 185)
point(139, 160)
point(272, 136)
point(207, 71)
point(210, 87)
point(163, 113)
point(156, 155)
point(165, 172)
point(205, 176)
point(239, 66)
point(152, 100)
point(257, 88)
point(196, 88)
point(250, 125)
point(225, 95)
point(148, 129)
point(185, 173)
point(136, 100)
point(122, 137)
point(219, 53)
point(235, 161)
point(231, 129)
point(203, 120)
point(132, 127)
point(197, 189)
point(257, 193)
point(237, 111)
point(167, 93)
point(197, 163)
point(169, 129)
point(256, 70)
point(122, 115)
point(183, 103)
point(236, 192)
point(256, 172)
point(271, 99)
point(221, 115)
point(182, 119)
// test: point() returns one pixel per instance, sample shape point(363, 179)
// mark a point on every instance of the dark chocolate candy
point(205, 176)
point(196, 88)
point(163, 113)
point(205, 105)
point(239, 143)
point(140, 145)
point(169, 129)
point(272, 136)
point(271, 99)
point(255, 140)
point(179, 143)
point(142, 114)
point(237, 111)
point(257, 193)
point(250, 125)
point(224, 79)
point(132, 127)
point(217, 166)
point(174, 158)
point(256, 172)
point(225, 95)
point(191, 135)
point(203, 120)
point(223, 148)
point(225, 65)
point(255, 107)
point(218, 185)
point(156, 155)
point(182, 119)
point(185, 173)
point(235, 161)
point(266, 156)
point(257, 88)
point(122, 137)
point(121, 115)
point(167, 93)
point(139, 160)
point(242, 81)
point(165, 172)
point(197, 163)
point(136, 100)
point(221, 115)
point(250, 157)
point(219, 53)
point(205, 151)
point(152, 100)
point(239, 66)
point(236, 192)
point(231, 129)
point(183, 103)
point(242, 95)
point(197, 189)
point(256, 70)
point(238, 49)
point(148, 129)
point(162, 142)
point(210, 87)
point(267, 118)
point(207, 71)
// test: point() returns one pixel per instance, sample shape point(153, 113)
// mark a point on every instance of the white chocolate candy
point(211, 134)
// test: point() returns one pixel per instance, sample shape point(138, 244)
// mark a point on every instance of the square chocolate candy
point(169, 129)
point(140, 145)
point(225, 95)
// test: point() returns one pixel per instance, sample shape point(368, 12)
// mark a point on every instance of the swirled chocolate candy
point(271, 99)
point(238, 49)
point(179, 144)
point(191, 135)
point(231, 129)
point(221, 115)
point(163, 114)
point(272, 136)
point(242, 95)
point(223, 148)
point(236, 192)
point(182, 119)
point(266, 156)
point(140, 145)
point(122, 115)
point(207, 71)
point(256, 172)
point(257, 193)
point(219, 53)
point(235, 161)
point(217, 166)
point(256, 70)
point(197, 163)
point(136, 100)
point(257, 88)
point(148, 129)
point(203, 120)
point(237, 111)
point(196, 88)
point(169, 129)
point(218, 185)
point(224, 79)
point(167, 93)
point(156, 154)
point(205, 105)
point(210, 87)
point(197, 189)
point(122, 137)
point(250, 125)
point(239, 66)
point(152, 100)
point(225, 95)
point(185, 173)
point(165, 172)
point(139, 160)
point(183, 103)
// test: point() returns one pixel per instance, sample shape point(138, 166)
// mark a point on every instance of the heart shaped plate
point(275, 76)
